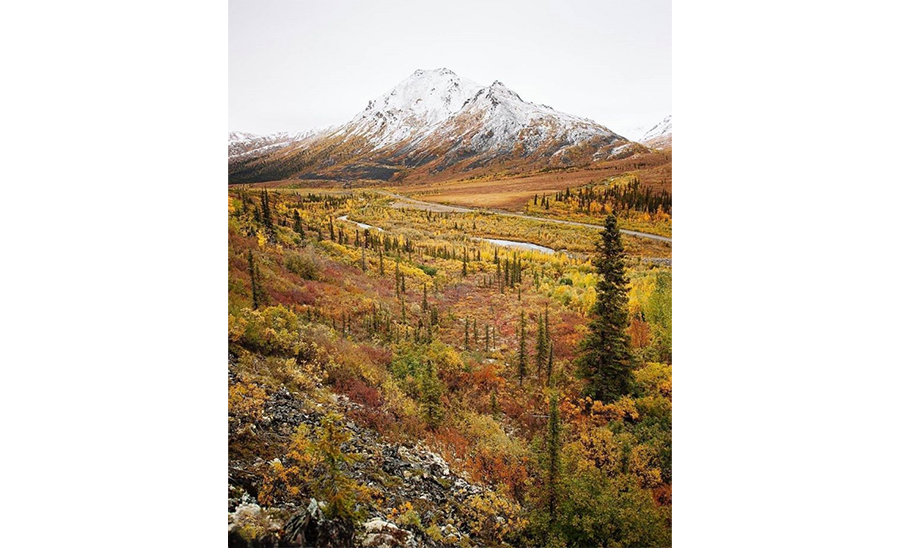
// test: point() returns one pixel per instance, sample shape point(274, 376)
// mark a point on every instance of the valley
point(449, 324)
point(420, 336)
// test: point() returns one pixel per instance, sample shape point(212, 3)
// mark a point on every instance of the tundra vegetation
point(546, 378)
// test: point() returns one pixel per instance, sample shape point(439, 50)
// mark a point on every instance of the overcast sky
point(295, 65)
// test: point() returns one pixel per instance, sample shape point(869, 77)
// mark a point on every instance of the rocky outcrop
point(310, 528)
point(400, 476)
point(384, 534)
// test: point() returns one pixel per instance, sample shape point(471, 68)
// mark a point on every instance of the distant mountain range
point(660, 135)
point(434, 123)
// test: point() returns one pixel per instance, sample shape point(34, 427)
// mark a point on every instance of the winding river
point(360, 225)
point(518, 245)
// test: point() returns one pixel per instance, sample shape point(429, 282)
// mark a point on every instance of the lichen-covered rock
point(252, 526)
point(384, 534)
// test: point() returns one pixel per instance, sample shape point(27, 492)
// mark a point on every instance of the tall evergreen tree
point(254, 281)
point(540, 350)
point(522, 352)
point(298, 226)
point(550, 364)
point(266, 211)
point(605, 357)
point(467, 333)
point(431, 395)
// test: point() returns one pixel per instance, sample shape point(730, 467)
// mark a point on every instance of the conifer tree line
point(621, 198)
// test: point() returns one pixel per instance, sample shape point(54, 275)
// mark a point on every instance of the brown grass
point(511, 193)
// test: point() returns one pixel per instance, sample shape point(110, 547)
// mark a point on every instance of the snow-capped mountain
point(413, 109)
point(660, 135)
point(432, 122)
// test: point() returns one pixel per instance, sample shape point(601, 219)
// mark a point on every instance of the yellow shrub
point(246, 402)
point(481, 513)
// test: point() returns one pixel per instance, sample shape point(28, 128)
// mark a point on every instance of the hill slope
point(660, 135)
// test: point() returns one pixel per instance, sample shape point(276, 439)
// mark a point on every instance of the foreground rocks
point(419, 499)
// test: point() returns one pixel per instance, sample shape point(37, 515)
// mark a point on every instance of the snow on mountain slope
point(242, 145)
point(660, 135)
point(498, 121)
point(413, 109)
point(430, 122)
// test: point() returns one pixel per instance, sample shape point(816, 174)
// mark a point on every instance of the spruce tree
point(522, 352)
point(540, 358)
point(298, 226)
point(254, 281)
point(266, 211)
point(467, 333)
point(550, 364)
point(605, 358)
point(431, 395)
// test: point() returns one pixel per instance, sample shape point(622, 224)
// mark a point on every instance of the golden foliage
point(494, 518)
point(246, 402)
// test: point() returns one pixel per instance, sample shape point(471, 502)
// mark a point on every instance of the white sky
point(295, 65)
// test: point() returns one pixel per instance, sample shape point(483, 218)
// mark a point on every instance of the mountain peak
point(443, 71)
point(423, 100)
point(499, 90)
